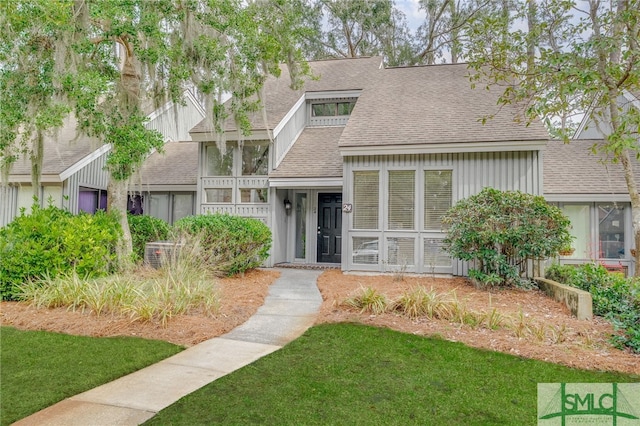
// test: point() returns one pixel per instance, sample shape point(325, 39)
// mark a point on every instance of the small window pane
point(365, 250)
point(218, 195)
point(323, 110)
point(401, 251)
point(182, 206)
point(437, 197)
point(345, 108)
point(255, 159)
point(611, 231)
point(580, 218)
point(401, 199)
point(219, 164)
point(301, 226)
point(365, 200)
point(159, 206)
point(434, 255)
point(253, 195)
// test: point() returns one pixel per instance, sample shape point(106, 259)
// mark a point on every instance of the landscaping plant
point(614, 297)
point(145, 229)
point(230, 244)
point(501, 232)
point(51, 242)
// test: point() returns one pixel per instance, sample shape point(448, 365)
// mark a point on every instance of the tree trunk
point(625, 161)
point(117, 204)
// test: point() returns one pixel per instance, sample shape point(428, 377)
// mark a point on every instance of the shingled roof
point(177, 165)
point(572, 169)
point(432, 105)
point(331, 74)
point(61, 151)
point(319, 144)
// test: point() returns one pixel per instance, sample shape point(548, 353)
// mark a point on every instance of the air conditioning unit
point(158, 253)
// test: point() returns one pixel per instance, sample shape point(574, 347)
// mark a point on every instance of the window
point(401, 199)
point(579, 215)
point(219, 164)
point(365, 250)
point(135, 204)
point(400, 251)
point(159, 206)
point(365, 199)
point(91, 200)
point(330, 109)
point(610, 231)
point(218, 195)
point(253, 195)
point(437, 197)
point(182, 206)
point(434, 255)
point(301, 226)
point(255, 159)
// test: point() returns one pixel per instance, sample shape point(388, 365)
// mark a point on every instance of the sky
point(415, 17)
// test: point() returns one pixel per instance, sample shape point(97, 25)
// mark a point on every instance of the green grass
point(41, 368)
point(354, 374)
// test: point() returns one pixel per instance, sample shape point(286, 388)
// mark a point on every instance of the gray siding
point(8, 204)
point(175, 121)
point(471, 172)
point(93, 175)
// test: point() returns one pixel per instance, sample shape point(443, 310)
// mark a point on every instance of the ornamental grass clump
point(180, 287)
point(420, 302)
point(369, 300)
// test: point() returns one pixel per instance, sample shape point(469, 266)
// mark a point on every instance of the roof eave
point(442, 148)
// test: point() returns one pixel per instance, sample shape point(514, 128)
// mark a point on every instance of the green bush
point(231, 244)
point(145, 229)
point(501, 232)
point(51, 241)
point(614, 297)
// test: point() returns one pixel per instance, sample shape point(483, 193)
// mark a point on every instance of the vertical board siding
point(8, 204)
point(517, 170)
point(93, 175)
point(175, 122)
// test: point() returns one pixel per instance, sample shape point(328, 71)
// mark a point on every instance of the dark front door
point(329, 227)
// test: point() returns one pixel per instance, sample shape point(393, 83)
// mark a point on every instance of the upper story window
point(255, 159)
point(252, 158)
point(219, 164)
point(330, 109)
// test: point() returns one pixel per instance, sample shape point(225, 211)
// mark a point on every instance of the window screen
point(401, 199)
point(400, 251)
point(219, 164)
point(434, 254)
point(255, 159)
point(218, 195)
point(437, 197)
point(365, 199)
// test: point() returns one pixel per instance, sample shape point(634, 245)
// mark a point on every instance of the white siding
point(93, 175)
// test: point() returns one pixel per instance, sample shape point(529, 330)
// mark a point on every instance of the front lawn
point(355, 374)
point(41, 368)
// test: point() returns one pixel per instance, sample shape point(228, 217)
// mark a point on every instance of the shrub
point(50, 242)
point(369, 300)
point(231, 244)
point(614, 297)
point(500, 232)
point(145, 229)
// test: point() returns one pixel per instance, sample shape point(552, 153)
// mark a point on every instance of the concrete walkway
point(289, 309)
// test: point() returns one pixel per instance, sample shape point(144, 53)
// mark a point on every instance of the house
point(73, 170)
point(356, 169)
point(592, 192)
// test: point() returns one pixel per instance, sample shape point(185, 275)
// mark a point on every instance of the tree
point(586, 55)
point(442, 34)
point(502, 232)
point(115, 58)
point(356, 28)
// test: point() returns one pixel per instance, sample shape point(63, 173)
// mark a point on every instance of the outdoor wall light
point(287, 205)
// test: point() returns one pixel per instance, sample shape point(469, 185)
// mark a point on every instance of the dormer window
point(330, 109)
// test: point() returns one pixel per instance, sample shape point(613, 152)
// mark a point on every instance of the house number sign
point(346, 207)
